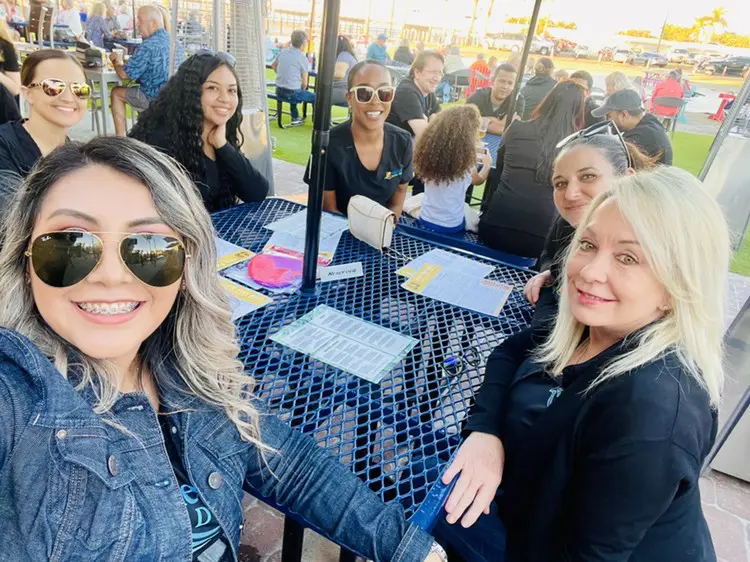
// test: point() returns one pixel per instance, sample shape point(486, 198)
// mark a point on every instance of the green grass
point(690, 150)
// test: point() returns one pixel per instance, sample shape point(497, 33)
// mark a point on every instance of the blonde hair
point(197, 340)
point(98, 9)
point(685, 239)
point(619, 81)
point(4, 34)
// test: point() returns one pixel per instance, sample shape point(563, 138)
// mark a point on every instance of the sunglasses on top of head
point(226, 57)
point(608, 128)
point(365, 94)
point(55, 87)
point(65, 258)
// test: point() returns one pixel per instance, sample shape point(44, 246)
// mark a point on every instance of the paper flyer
point(243, 300)
point(351, 344)
point(228, 254)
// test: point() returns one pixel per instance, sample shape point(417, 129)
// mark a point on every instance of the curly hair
point(174, 120)
point(447, 148)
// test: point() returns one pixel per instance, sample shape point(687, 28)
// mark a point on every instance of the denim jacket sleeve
point(308, 481)
point(7, 423)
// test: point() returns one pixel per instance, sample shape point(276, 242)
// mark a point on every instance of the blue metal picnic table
point(493, 144)
point(397, 436)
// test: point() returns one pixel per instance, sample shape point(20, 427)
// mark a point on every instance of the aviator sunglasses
point(608, 128)
point(54, 87)
point(62, 259)
point(364, 94)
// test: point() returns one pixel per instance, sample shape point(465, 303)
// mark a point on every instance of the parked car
point(514, 42)
point(731, 64)
point(648, 58)
point(621, 55)
point(678, 55)
point(582, 52)
point(542, 46)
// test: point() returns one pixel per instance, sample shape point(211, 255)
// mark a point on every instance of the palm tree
point(717, 17)
point(473, 19)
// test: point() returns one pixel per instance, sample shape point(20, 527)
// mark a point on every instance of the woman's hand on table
point(480, 462)
point(535, 284)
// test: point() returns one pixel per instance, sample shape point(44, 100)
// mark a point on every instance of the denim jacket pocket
point(96, 520)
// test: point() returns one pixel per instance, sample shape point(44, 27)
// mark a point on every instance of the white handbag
point(370, 222)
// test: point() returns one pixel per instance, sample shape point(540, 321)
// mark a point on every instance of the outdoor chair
point(669, 120)
point(458, 81)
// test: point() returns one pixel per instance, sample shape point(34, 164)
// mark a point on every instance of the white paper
point(446, 261)
point(339, 272)
point(224, 248)
point(290, 245)
point(295, 225)
point(348, 343)
point(242, 300)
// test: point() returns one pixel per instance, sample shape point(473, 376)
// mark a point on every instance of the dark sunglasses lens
point(155, 259)
point(53, 88)
point(62, 259)
point(364, 95)
point(386, 94)
point(82, 91)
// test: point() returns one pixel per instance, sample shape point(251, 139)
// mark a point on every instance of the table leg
point(294, 534)
point(104, 89)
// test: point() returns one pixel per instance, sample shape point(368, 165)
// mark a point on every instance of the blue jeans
point(484, 541)
point(294, 97)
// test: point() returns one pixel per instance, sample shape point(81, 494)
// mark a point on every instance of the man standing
point(377, 50)
point(292, 75)
point(148, 67)
point(415, 101)
point(493, 102)
point(586, 81)
point(642, 129)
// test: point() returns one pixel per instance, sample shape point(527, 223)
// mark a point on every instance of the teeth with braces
point(108, 309)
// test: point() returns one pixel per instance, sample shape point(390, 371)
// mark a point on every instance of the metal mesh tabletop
point(493, 144)
point(398, 435)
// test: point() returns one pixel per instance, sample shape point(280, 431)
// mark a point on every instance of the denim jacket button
point(62, 434)
point(215, 480)
point(112, 465)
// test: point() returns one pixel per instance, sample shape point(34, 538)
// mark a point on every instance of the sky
point(592, 16)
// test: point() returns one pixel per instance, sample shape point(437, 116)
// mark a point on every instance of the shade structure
point(524, 56)
point(321, 128)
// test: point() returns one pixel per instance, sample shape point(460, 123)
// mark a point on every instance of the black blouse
point(609, 474)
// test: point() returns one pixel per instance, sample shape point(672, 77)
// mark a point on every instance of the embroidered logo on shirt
point(553, 394)
point(394, 174)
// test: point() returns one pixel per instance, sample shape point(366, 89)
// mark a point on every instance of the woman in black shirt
point(599, 434)
point(521, 210)
point(196, 120)
point(585, 167)
point(10, 77)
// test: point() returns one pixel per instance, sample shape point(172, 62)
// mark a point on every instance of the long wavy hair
point(197, 339)
point(685, 239)
point(175, 117)
point(447, 148)
point(560, 114)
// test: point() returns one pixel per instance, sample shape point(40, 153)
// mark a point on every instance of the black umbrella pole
point(524, 58)
point(321, 126)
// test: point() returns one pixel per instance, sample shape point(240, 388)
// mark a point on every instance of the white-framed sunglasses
point(364, 94)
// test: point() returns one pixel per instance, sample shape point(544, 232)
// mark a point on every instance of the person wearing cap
point(669, 88)
point(377, 50)
point(537, 88)
point(640, 128)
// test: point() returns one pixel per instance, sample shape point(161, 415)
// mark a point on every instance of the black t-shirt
point(18, 151)
point(590, 106)
point(409, 104)
point(8, 58)
point(346, 175)
point(483, 100)
point(649, 135)
point(208, 541)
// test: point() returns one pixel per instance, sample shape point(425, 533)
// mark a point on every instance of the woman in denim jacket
point(128, 429)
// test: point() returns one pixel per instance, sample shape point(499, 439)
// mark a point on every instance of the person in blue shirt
point(148, 67)
point(377, 51)
point(130, 428)
point(97, 29)
point(292, 74)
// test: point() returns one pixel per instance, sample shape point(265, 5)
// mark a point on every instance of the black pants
point(417, 186)
point(511, 241)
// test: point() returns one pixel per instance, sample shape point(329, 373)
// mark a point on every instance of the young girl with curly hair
point(445, 158)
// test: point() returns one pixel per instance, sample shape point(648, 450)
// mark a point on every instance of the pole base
point(309, 292)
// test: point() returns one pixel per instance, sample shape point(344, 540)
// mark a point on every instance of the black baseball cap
point(624, 100)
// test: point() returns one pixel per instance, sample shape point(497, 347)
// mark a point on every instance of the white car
point(678, 55)
point(621, 55)
point(582, 52)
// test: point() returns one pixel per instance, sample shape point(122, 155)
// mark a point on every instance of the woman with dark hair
point(586, 165)
point(54, 85)
point(366, 155)
point(521, 210)
point(196, 120)
point(345, 60)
